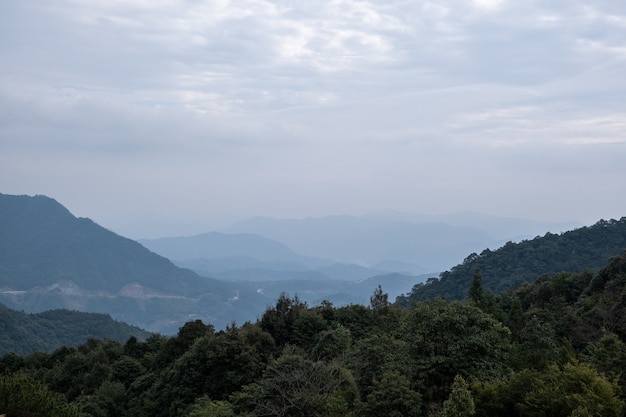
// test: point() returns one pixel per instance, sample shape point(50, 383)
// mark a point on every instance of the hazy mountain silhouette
point(419, 243)
point(215, 245)
point(50, 259)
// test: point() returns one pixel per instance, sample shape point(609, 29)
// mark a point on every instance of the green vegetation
point(587, 248)
point(555, 347)
point(27, 333)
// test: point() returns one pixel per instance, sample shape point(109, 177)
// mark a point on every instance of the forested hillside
point(552, 348)
point(586, 248)
point(42, 243)
point(27, 333)
point(50, 259)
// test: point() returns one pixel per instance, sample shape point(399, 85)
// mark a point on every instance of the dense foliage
point(586, 248)
point(555, 347)
point(27, 333)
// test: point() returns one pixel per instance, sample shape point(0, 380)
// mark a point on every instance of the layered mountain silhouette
point(396, 242)
point(51, 259)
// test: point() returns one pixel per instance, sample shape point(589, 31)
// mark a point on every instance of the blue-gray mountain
point(49, 259)
point(400, 242)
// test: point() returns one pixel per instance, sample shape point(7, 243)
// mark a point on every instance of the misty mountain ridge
point(251, 257)
point(421, 243)
point(243, 247)
point(50, 259)
point(497, 227)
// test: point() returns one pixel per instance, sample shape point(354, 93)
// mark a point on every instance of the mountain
point(219, 245)
point(585, 248)
point(27, 333)
point(498, 228)
point(49, 259)
point(42, 244)
point(250, 257)
point(408, 243)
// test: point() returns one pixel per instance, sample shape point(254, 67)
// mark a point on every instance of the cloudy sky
point(158, 117)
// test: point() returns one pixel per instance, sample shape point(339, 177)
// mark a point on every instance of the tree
point(21, 396)
point(187, 335)
point(372, 356)
point(460, 402)
point(446, 339)
point(574, 389)
point(205, 407)
point(379, 300)
point(279, 321)
point(608, 354)
point(392, 396)
point(299, 387)
point(475, 294)
point(538, 346)
point(332, 343)
point(109, 400)
point(306, 327)
point(216, 365)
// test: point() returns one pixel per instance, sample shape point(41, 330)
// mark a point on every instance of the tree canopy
point(555, 347)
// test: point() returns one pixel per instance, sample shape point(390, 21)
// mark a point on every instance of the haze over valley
point(52, 259)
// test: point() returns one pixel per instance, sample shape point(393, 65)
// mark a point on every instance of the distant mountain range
point(49, 259)
point(219, 245)
point(258, 258)
point(402, 242)
point(269, 268)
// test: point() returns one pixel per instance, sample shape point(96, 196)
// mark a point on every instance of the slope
point(26, 333)
point(42, 243)
point(586, 248)
point(49, 259)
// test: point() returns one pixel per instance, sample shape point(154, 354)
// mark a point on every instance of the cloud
point(299, 108)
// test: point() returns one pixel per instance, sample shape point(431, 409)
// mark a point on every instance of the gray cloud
point(208, 110)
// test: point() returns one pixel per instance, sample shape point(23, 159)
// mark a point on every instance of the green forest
point(555, 347)
point(24, 333)
point(583, 249)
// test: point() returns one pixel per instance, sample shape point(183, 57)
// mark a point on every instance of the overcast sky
point(157, 117)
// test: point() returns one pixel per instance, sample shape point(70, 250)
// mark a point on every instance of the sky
point(164, 117)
